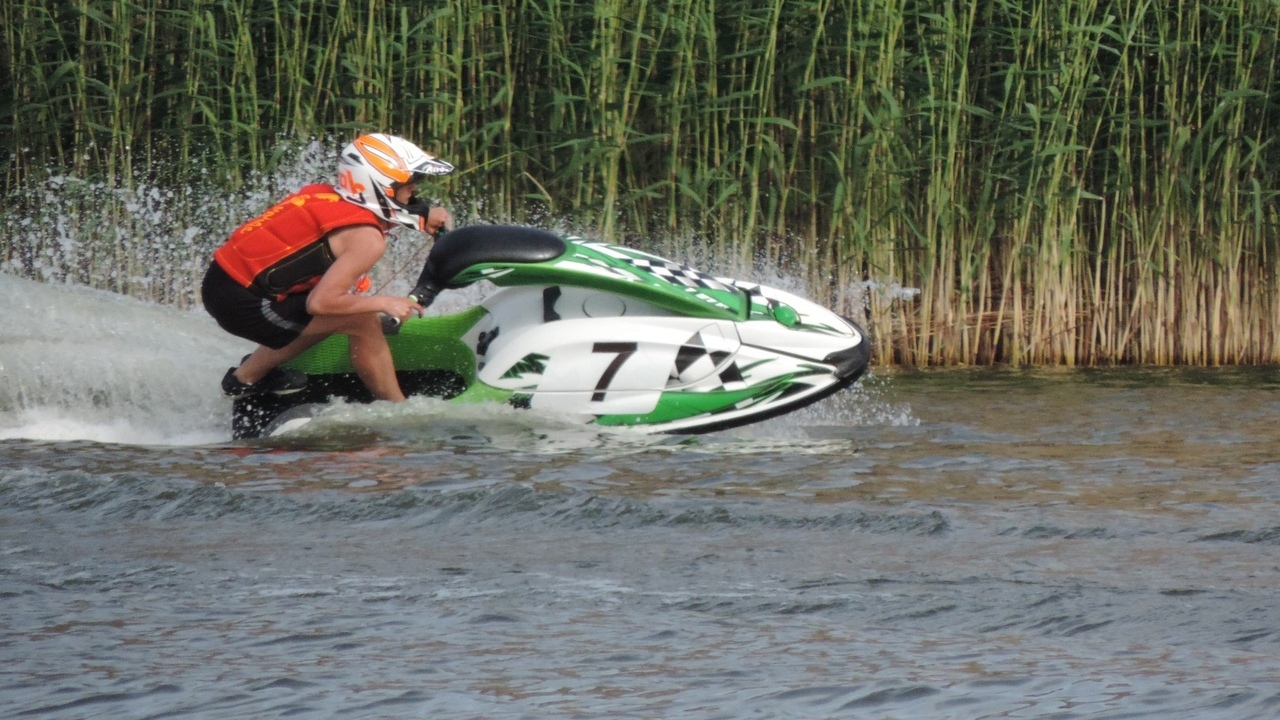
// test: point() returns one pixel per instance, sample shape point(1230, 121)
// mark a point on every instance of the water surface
point(964, 544)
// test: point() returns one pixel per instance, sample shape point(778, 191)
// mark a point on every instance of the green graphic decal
point(531, 364)
point(679, 406)
point(627, 272)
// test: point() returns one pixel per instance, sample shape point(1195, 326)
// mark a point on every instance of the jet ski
point(596, 333)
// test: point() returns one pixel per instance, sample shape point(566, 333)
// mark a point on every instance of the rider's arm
point(356, 249)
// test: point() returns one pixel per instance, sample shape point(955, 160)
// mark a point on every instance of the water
point(1098, 544)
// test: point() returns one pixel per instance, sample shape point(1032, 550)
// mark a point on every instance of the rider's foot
point(280, 381)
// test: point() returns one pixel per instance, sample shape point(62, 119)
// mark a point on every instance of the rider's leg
point(369, 352)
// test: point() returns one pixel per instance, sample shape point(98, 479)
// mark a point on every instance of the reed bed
point(1032, 182)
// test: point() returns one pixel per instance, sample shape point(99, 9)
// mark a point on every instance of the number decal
point(621, 351)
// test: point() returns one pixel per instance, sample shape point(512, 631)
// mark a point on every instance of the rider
point(287, 279)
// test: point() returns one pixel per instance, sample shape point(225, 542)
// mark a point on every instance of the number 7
point(622, 351)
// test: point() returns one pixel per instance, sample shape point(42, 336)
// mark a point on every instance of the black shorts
point(244, 313)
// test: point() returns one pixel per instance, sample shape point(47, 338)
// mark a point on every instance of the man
point(285, 279)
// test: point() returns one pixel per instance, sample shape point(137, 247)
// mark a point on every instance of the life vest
point(286, 249)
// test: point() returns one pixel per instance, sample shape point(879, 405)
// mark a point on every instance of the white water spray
point(77, 363)
point(86, 364)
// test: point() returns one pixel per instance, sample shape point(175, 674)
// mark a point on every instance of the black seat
point(460, 249)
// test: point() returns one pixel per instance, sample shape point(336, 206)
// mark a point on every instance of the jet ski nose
point(851, 362)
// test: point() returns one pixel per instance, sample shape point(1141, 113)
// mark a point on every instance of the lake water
point(961, 544)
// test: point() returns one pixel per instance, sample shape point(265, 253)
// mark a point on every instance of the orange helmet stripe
point(383, 158)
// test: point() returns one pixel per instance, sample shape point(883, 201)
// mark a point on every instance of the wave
point(145, 497)
point(87, 364)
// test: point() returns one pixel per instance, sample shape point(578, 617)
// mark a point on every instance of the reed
point(1015, 181)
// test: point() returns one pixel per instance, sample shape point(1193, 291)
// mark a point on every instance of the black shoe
point(280, 381)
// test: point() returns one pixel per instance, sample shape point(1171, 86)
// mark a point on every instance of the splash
point(77, 363)
point(145, 241)
point(105, 339)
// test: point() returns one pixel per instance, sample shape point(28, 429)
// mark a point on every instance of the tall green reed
point(1022, 181)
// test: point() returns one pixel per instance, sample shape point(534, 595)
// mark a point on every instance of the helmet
point(373, 167)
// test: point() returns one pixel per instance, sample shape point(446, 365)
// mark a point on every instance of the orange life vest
point(286, 249)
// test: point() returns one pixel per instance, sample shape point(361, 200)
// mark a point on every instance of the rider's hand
point(400, 308)
point(438, 219)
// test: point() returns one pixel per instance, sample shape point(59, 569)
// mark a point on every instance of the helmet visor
point(427, 168)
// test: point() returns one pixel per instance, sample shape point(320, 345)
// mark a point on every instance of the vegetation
point(1066, 182)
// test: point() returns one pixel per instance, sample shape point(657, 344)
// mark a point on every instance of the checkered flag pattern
point(678, 274)
point(699, 357)
point(757, 297)
point(674, 273)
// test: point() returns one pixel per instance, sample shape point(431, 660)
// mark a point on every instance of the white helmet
point(373, 167)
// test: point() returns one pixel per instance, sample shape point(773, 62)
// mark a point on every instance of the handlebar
point(423, 295)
